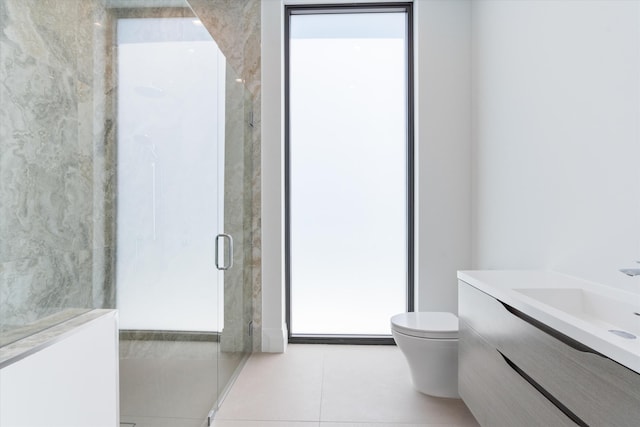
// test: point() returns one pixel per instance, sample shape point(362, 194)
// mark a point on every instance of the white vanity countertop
point(503, 285)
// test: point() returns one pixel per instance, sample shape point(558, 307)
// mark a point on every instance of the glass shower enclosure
point(183, 217)
point(125, 166)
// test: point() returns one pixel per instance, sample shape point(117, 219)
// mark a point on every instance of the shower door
point(181, 219)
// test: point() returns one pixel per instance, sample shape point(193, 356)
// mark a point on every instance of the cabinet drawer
point(597, 389)
point(496, 393)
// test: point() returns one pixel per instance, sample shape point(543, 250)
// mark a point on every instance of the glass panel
point(235, 341)
point(171, 99)
point(47, 186)
point(183, 178)
point(348, 151)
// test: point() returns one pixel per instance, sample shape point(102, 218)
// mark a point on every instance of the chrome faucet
point(631, 271)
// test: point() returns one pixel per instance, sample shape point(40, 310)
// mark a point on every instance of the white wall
point(72, 383)
point(443, 161)
point(274, 330)
point(443, 120)
point(555, 105)
point(556, 131)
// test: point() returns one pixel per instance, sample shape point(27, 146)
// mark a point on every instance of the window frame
point(382, 7)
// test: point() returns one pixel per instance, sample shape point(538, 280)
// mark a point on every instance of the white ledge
point(46, 337)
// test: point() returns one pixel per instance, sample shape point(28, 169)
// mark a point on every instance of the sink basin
point(597, 309)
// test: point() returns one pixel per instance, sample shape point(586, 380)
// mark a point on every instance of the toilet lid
point(430, 324)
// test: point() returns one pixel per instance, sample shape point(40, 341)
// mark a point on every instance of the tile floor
point(334, 386)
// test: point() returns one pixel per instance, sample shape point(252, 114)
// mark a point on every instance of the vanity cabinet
point(516, 371)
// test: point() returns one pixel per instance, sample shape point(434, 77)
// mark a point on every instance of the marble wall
point(235, 26)
point(237, 218)
point(52, 125)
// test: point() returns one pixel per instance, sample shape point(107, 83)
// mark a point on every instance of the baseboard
point(274, 340)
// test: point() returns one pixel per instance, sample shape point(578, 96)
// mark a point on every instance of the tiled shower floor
point(170, 383)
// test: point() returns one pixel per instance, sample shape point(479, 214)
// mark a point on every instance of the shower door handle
point(229, 252)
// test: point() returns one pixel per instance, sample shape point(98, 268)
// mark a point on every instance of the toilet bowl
point(429, 342)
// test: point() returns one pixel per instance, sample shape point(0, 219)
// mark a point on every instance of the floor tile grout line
point(324, 357)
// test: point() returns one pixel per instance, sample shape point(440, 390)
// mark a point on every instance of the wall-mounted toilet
point(429, 341)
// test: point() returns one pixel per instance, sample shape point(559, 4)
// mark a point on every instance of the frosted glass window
point(171, 102)
point(347, 172)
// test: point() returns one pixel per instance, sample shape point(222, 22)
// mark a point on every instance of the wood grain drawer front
point(496, 394)
point(600, 391)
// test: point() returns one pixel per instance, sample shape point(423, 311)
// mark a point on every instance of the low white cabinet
point(64, 376)
point(516, 371)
